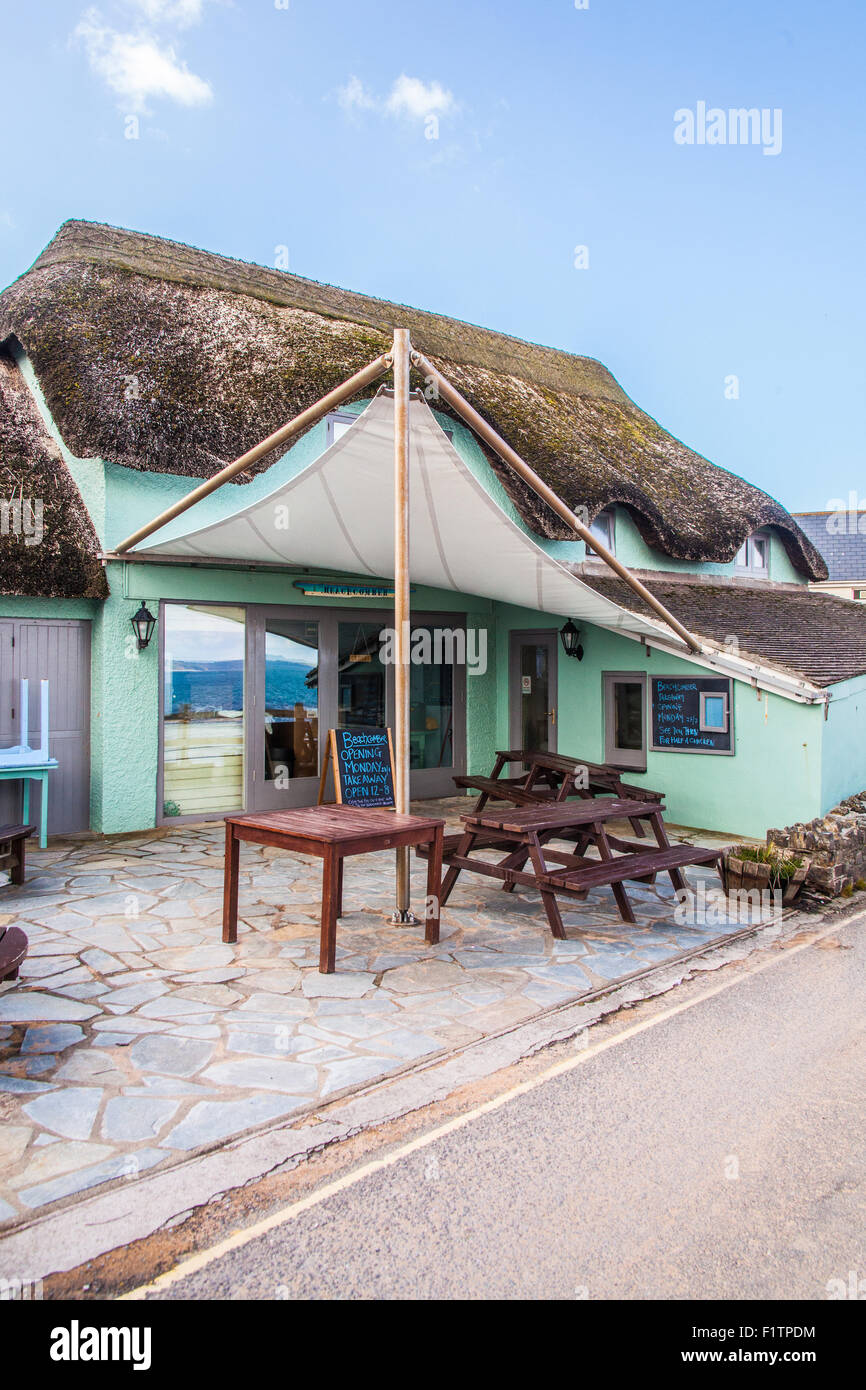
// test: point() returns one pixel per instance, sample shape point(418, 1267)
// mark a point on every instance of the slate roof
point(816, 636)
point(168, 359)
point(846, 553)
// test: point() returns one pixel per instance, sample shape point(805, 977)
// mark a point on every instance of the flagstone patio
point(135, 1037)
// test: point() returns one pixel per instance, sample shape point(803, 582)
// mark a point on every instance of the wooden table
point(523, 833)
point(332, 833)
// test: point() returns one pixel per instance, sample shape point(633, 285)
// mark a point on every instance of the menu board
point(692, 714)
point(363, 761)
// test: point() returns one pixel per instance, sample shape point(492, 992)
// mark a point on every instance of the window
point(203, 709)
point(291, 713)
point(625, 719)
point(603, 530)
point(338, 422)
point(754, 555)
point(713, 717)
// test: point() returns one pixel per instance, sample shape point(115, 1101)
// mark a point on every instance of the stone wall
point(835, 843)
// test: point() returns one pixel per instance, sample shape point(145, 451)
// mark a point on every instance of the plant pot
point(748, 874)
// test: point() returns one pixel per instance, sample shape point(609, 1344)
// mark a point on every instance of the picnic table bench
point(552, 777)
point(524, 834)
point(12, 841)
point(332, 833)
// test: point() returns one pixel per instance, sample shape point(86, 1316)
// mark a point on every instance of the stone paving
point(135, 1037)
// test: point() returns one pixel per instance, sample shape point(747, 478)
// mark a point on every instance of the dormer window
point(604, 531)
point(338, 422)
point(754, 555)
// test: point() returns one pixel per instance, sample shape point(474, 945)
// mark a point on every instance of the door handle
point(551, 714)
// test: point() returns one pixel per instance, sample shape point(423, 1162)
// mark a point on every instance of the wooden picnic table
point(552, 777)
point(333, 833)
point(524, 832)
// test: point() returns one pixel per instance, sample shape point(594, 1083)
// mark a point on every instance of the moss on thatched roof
point(63, 564)
point(814, 635)
point(161, 357)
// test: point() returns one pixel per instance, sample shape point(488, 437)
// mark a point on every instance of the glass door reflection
point(291, 715)
point(361, 677)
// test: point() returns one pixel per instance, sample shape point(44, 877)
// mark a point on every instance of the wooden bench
point(12, 840)
point(13, 949)
point(553, 777)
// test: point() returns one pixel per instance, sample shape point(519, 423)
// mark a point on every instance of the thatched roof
point(814, 635)
point(63, 564)
point(161, 357)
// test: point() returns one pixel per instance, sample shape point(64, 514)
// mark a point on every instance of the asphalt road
point(717, 1154)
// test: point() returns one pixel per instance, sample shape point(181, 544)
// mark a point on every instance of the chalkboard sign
point(363, 762)
point(692, 714)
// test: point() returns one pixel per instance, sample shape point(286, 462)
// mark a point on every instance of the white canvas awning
point(338, 514)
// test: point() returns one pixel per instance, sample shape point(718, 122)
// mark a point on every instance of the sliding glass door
point(249, 695)
point(311, 672)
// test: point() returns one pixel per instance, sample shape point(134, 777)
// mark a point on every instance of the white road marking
point(245, 1235)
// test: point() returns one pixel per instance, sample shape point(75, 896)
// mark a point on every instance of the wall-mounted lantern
point(143, 624)
point(570, 638)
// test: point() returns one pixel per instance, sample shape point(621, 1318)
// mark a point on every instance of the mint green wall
point(843, 762)
point(126, 683)
point(773, 778)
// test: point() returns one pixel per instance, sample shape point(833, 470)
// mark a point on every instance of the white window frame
point(703, 724)
point(744, 560)
point(605, 523)
point(342, 417)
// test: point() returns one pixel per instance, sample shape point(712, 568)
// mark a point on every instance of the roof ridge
point(100, 243)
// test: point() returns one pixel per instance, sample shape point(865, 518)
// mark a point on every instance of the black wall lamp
point(570, 638)
point(143, 624)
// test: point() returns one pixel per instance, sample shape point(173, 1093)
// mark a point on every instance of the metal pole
point(281, 436)
point(480, 426)
point(400, 356)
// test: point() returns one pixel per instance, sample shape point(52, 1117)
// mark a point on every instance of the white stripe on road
point(279, 1218)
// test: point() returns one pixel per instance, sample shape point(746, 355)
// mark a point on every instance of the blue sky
point(264, 124)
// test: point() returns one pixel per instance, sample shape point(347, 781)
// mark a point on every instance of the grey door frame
point(258, 794)
point(517, 638)
point(629, 759)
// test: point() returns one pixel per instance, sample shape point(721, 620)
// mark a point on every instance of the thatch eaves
point(59, 557)
point(161, 357)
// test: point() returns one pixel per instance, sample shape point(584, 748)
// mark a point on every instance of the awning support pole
point(307, 417)
point(479, 425)
point(400, 357)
